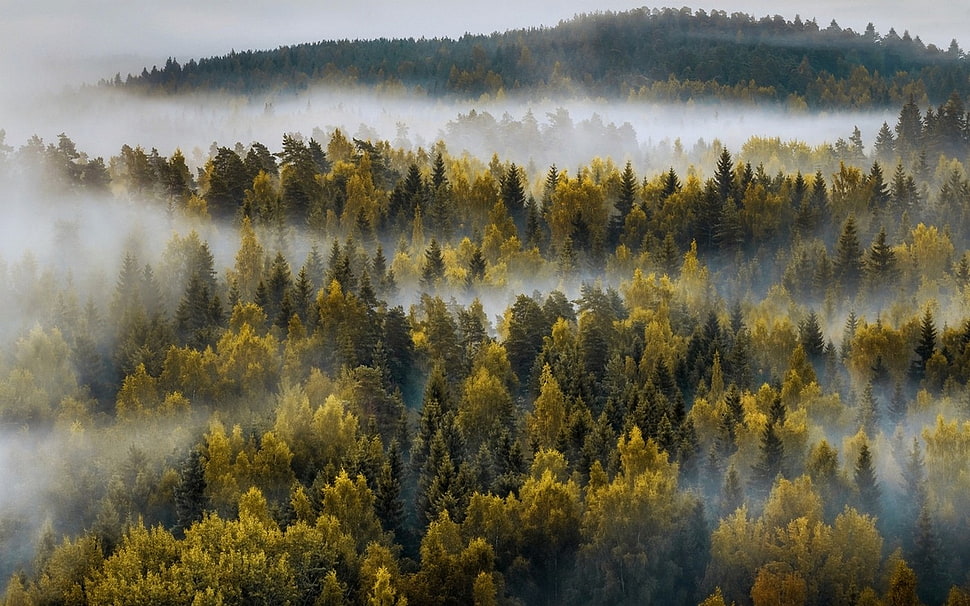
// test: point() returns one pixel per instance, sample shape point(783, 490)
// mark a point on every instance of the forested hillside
point(658, 55)
point(338, 371)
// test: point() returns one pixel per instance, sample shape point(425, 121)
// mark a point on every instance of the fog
point(100, 121)
point(83, 240)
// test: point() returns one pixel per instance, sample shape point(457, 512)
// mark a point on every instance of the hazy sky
point(94, 39)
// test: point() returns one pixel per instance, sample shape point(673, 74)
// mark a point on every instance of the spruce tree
point(925, 347)
point(848, 259)
point(881, 270)
point(866, 483)
point(433, 272)
point(770, 460)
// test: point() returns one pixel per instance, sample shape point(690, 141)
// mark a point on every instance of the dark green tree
point(866, 483)
point(433, 271)
point(848, 259)
point(925, 347)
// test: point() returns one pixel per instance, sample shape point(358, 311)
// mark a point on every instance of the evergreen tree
point(724, 178)
point(879, 192)
point(476, 268)
point(868, 411)
point(670, 184)
point(884, 147)
point(812, 340)
point(513, 195)
point(925, 347)
point(732, 493)
point(433, 272)
point(770, 460)
point(927, 552)
point(624, 203)
point(866, 483)
point(190, 500)
point(848, 259)
point(881, 271)
point(388, 504)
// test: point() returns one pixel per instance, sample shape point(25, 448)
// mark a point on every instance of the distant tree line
point(659, 54)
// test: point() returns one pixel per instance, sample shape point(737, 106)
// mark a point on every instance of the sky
point(53, 40)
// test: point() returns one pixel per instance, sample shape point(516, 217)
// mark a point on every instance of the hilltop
point(657, 54)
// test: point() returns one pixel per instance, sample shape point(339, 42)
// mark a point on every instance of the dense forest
point(355, 373)
point(659, 55)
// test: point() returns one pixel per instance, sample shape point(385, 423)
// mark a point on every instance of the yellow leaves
point(248, 268)
point(790, 500)
point(646, 293)
point(761, 213)
point(141, 571)
point(190, 372)
point(575, 200)
point(929, 254)
point(548, 412)
point(247, 361)
point(638, 457)
point(800, 375)
point(877, 340)
point(549, 512)
point(485, 408)
point(792, 547)
point(139, 391)
point(694, 285)
point(857, 546)
point(777, 588)
point(351, 503)
point(335, 430)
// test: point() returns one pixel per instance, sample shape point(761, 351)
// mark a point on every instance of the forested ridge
point(427, 378)
point(659, 55)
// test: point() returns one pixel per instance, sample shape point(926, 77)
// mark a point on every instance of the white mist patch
point(101, 120)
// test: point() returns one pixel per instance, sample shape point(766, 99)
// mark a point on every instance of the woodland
point(647, 54)
point(335, 370)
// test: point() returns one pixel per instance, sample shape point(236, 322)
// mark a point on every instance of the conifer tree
point(866, 483)
point(433, 272)
point(848, 259)
point(770, 460)
point(881, 270)
point(925, 347)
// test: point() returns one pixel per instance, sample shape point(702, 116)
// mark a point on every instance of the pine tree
point(513, 195)
point(881, 270)
point(770, 460)
point(868, 411)
point(624, 203)
point(433, 272)
point(932, 583)
point(848, 334)
point(724, 177)
point(811, 338)
point(438, 177)
point(884, 147)
point(924, 348)
point(909, 130)
point(476, 268)
point(732, 493)
point(670, 184)
point(866, 483)
point(898, 405)
point(848, 259)
point(879, 192)
point(190, 500)
point(388, 504)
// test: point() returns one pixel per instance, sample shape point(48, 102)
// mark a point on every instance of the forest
point(334, 370)
point(670, 55)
